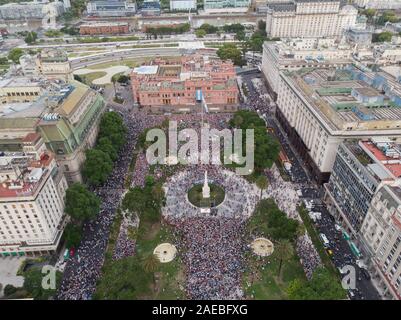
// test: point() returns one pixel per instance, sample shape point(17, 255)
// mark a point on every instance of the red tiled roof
point(394, 168)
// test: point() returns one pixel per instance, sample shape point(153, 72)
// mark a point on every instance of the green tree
point(383, 37)
point(112, 126)
point(208, 28)
point(97, 167)
point(135, 200)
point(158, 192)
point(267, 147)
point(9, 289)
point(200, 33)
point(31, 37)
point(15, 54)
point(234, 28)
point(151, 264)
point(72, 235)
point(261, 183)
point(229, 51)
point(80, 203)
point(122, 78)
point(33, 284)
point(284, 251)
point(262, 26)
point(323, 286)
point(124, 279)
point(104, 144)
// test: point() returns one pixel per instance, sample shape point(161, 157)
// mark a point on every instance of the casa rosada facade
point(174, 85)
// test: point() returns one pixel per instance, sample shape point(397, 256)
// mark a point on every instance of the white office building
point(32, 189)
point(381, 232)
point(182, 5)
point(309, 18)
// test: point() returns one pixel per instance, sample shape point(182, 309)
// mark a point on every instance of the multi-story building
point(320, 108)
point(381, 234)
point(222, 6)
point(180, 5)
point(295, 54)
point(360, 169)
point(309, 18)
point(378, 4)
point(182, 86)
point(359, 36)
point(28, 10)
point(32, 189)
point(96, 28)
point(54, 64)
point(65, 114)
point(150, 8)
point(50, 63)
point(112, 8)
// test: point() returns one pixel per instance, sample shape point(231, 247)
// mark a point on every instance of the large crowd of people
point(240, 196)
point(212, 256)
point(213, 244)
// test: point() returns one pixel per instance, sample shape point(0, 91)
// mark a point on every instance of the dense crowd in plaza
point(213, 257)
point(125, 245)
point(84, 269)
point(308, 255)
point(213, 244)
point(240, 196)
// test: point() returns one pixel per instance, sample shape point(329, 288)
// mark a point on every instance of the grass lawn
point(125, 278)
point(90, 77)
point(262, 275)
point(131, 63)
point(195, 196)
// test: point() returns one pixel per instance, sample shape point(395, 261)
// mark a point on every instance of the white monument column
point(205, 188)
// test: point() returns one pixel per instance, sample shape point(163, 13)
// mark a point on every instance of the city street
point(342, 254)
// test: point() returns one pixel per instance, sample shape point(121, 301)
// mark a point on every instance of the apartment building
point(360, 169)
point(381, 233)
point(32, 189)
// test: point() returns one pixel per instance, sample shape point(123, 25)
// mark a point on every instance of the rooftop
point(351, 99)
point(25, 173)
point(104, 24)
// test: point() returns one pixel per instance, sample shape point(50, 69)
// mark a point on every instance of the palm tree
point(261, 183)
point(301, 230)
point(238, 120)
point(284, 252)
point(150, 264)
point(114, 80)
point(158, 191)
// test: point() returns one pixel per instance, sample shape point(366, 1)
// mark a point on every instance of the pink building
point(174, 87)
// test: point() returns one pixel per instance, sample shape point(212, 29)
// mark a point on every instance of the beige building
point(32, 189)
point(66, 115)
point(381, 233)
point(320, 108)
point(54, 64)
point(20, 90)
point(309, 18)
point(50, 63)
point(295, 54)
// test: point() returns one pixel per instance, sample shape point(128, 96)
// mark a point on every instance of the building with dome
point(309, 18)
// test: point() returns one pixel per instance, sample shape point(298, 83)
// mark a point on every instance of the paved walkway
point(106, 79)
